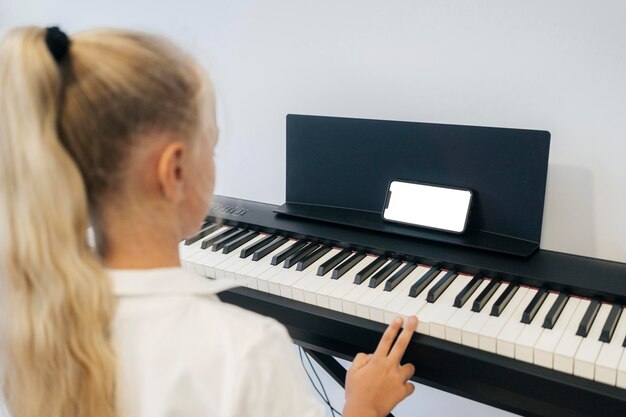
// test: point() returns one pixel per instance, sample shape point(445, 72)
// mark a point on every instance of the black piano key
point(366, 272)
point(535, 304)
point(295, 257)
point(204, 232)
point(435, 292)
point(424, 281)
point(467, 291)
point(237, 243)
point(555, 311)
point(249, 250)
point(304, 263)
point(287, 252)
point(327, 266)
point(611, 322)
point(347, 265)
point(269, 248)
point(399, 276)
point(483, 298)
point(208, 242)
point(220, 243)
point(503, 301)
point(382, 275)
point(588, 318)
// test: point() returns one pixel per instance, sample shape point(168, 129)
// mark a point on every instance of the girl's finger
point(407, 371)
point(388, 337)
point(403, 340)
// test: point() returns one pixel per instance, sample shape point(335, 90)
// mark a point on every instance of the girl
point(116, 129)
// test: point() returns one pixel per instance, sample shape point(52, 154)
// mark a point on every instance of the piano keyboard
point(574, 335)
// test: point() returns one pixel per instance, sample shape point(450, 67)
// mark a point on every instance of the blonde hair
point(65, 133)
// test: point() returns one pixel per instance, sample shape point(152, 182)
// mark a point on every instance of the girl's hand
point(376, 383)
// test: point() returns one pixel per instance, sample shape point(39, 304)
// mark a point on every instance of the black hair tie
point(58, 42)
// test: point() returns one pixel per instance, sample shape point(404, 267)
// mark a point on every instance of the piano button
point(237, 243)
point(269, 248)
point(531, 332)
point(607, 365)
point(383, 273)
point(424, 281)
point(333, 262)
point(505, 340)
point(366, 272)
point(250, 249)
point(220, 243)
point(202, 234)
point(287, 252)
point(463, 314)
point(489, 333)
point(471, 330)
point(534, 306)
point(208, 242)
point(443, 284)
point(467, 292)
point(399, 276)
point(547, 343)
point(587, 353)
point(501, 303)
point(555, 312)
point(569, 342)
point(329, 292)
point(295, 257)
point(347, 265)
point(308, 260)
point(588, 318)
point(485, 296)
point(611, 322)
point(433, 315)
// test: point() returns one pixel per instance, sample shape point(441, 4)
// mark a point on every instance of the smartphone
point(432, 206)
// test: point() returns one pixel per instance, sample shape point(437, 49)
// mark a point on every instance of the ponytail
point(56, 303)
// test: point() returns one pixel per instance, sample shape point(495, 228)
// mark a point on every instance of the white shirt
point(182, 352)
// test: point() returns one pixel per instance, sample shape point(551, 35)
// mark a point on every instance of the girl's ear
point(171, 171)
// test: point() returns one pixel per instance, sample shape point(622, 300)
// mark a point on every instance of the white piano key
point(471, 330)
point(569, 342)
point(606, 366)
point(505, 341)
point(281, 283)
point(336, 290)
point(407, 306)
point(377, 307)
point(489, 332)
point(250, 273)
point(587, 353)
point(544, 348)
point(528, 337)
point(195, 251)
point(444, 307)
point(621, 371)
point(225, 268)
point(462, 315)
point(429, 313)
point(349, 300)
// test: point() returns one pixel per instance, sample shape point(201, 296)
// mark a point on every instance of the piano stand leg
point(331, 366)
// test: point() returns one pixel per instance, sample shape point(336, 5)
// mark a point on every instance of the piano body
point(535, 332)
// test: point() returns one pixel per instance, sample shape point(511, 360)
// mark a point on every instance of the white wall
point(555, 65)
